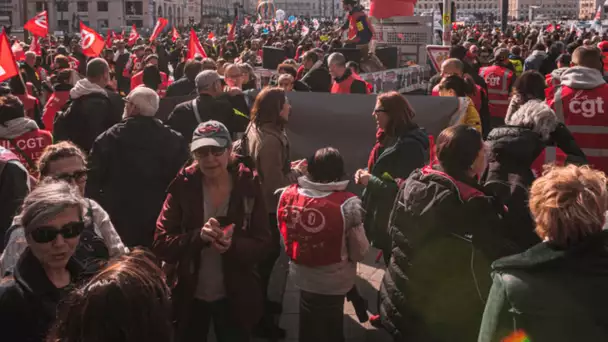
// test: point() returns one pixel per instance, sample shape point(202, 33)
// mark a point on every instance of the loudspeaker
point(272, 57)
point(351, 55)
point(389, 56)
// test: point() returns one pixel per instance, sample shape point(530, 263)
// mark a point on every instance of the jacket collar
point(242, 176)
point(346, 75)
point(32, 277)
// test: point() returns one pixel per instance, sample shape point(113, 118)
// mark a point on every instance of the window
point(40, 6)
point(102, 6)
point(63, 23)
point(62, 6)
point(102, 23)
point(82, 6)
point(134, 8)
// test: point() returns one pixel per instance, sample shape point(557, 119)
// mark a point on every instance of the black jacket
point(445, 234)
point(509, 177)
point(550, 293)
point(184, 121)
point(318, 79)
point(181, 87)
point(28, 302)
point(86, 117)
point(13, 189)
point(131, 165)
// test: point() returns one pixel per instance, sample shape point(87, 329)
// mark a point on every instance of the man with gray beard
point(131, 165)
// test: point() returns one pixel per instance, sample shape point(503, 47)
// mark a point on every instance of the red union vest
point(30, 104)
point(498, 79)
point(138, 79)
point(312, 227)
point(29, 147)
point(344, 86)
point(550, 155)
point(54, 104)
point(585, 113)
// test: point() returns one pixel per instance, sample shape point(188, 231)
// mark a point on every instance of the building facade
point(464, 8)
point(588, 8)
point(311, 8)
point(544, 9)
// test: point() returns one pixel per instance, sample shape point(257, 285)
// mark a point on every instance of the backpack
point(65, 123)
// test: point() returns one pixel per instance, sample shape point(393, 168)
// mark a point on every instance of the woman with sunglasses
point(66, 162)
point(213, 230)
point(52, 218)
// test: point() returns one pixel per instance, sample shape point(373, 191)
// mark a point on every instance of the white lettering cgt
point(41, 21)
point(2, 71)
point(588, 108)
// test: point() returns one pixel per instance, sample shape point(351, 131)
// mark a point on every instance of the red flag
point(210, 35)
point(550, 28)
point(92, 42)
point(35, 46)
point(38, 25)
point(121, 36)
point(174, 35)
point(8, 65)
point(194, 46)
point(246, 20)
point(109, 39)
point(18, 52)
point(158, 28)
point(133, 36)
point(305, 30)
point(231, 30)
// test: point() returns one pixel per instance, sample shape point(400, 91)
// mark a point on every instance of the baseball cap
point(501, 54)
point(210, 133)
point(205, 79)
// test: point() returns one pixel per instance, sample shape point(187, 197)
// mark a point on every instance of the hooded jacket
point(389, 164)
point(550, 293)
point(130, 167)
point(582, 78)
point(90, 111)
point(318, 78)
point(535, 60)
point(445, 231)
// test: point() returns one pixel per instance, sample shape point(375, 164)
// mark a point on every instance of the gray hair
point(337, 58)
point(47, 200)
point(96, 68)
point(535, 115)
point(145, 100)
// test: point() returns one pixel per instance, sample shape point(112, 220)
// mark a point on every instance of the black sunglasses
point(76, 176)
point(206, 150)
point(47, 234)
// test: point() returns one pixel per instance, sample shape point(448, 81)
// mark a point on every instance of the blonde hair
point(569, 203)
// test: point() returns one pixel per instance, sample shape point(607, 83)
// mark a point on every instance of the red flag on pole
point(158, 28)
point(231, 30)
point(38, 25)
point(194, 46)
point(550, 28)
point(35, 46)
point(8, 65)
point(121, 36)
point(18, 52)
point(133, 36)
point(210, 35)
point(92, 43)
point(109, 39)
point(174, 35)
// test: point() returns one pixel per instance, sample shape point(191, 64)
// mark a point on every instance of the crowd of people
point(120, 225)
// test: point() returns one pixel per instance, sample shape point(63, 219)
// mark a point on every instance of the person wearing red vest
point(553, 79)
point(360, 31)
point(134, 64)
point(58, 99)
point(322, 229)
point(345, 82)
point(20, 134)
point(603, 46)
point(138, 78)
point(500, 80)
point(30, 103)
point(581, 102)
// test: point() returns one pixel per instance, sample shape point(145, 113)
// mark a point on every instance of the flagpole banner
point(343, 121)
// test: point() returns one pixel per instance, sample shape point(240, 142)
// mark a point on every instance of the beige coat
point(268, 146)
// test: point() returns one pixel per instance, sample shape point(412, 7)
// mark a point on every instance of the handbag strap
point(27, 158)
point(196, 113)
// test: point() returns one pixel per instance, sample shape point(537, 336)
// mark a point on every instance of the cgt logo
point(493, 80)
point(311, 219)
point(585, 106)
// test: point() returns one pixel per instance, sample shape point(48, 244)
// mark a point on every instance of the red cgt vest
point(344, 86)
point(585, 113)
point(498, 79)
point(312, 227)
point(138, 79)
point(29, 147)
point(54, 104)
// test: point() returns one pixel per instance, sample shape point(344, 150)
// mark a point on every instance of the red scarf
point(375, 153)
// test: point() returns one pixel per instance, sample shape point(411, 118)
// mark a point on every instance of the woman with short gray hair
point(52, 218)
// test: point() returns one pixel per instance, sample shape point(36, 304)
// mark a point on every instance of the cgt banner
point(343, 121)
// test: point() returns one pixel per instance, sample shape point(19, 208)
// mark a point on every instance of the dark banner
point(343, 121)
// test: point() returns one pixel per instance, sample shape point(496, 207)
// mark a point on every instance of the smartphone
point(227, 226)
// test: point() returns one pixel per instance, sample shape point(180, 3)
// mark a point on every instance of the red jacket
point(138, 79)
point(177, 241)
point(133, 65)
point(28, 147)
point(585, 113)
point(312, 227)
point(57, 100)
point(31, 105)
point(498, 79)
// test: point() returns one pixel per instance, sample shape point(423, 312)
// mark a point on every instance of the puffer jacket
point(446, 232)
point(535, 60)
point(389, 163)
point(550, 294)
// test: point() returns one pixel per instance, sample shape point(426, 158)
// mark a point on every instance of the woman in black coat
point(445, 231)
point(555, 291)
point(46, 271)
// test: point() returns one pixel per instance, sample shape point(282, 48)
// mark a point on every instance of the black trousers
point(321, 318)
point(201, 315)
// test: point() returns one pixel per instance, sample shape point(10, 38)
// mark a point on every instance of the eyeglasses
point(47, 234)
point(204, 151)
point(76, 176)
